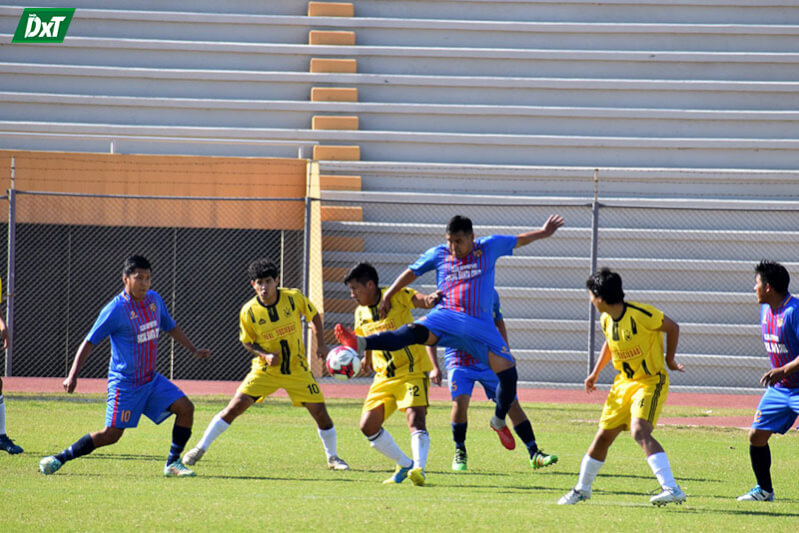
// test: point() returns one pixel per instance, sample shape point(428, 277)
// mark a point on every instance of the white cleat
point(669, 495)
point(192, 456)
point(757, 495)
point(334, 462)
point(575, 496)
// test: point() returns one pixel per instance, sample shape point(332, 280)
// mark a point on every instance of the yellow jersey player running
point(401, 376)
point(271, 330)
point(634, 343)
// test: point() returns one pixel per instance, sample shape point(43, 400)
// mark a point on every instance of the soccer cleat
point(459, 461)
point(541, 459)
point(575, 496)
point(668, 495)
point(177, 469)
point(192, 456)
point(49, 465)
point(334, 462)
point(346, 336)
point(417, 477)
point(757, 495)
point(505, 437)
point(9, 446)
point(399, 475)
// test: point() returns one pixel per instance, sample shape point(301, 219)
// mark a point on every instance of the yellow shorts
point(301, 386)
point(398, 393)
point(640, 398)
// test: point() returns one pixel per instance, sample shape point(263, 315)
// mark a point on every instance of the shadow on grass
point(271, 478)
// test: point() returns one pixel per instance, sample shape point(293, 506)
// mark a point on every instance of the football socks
point(761, 465)
point(180, 436)
point(83, 446)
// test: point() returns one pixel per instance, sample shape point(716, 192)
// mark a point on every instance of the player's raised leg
point(83, 446)
point(327, 433)
point(507, 377)
point(219, 424)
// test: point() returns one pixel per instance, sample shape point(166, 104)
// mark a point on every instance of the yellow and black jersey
point(634, 340)
point(278, 329)
point(409, 360)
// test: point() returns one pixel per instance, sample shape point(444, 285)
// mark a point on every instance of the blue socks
point(459, 434)
point(83, 446)
point(506, 391)
point(398, 339)
point(180, 436)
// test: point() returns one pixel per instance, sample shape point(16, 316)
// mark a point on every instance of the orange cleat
point(505, 437)
point(346, 337)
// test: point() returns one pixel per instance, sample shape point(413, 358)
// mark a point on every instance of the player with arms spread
point(133, 320)
point(463, 371)
point(270, 328)
point(634, 343)
point(779, 406)
point(401, 376)
point(462, 319)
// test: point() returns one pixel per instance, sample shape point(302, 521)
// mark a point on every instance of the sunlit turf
point(268, 472)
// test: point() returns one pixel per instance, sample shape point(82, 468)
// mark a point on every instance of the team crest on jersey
point(133, 315)
point(779, 322)
point(287, 312)
point(627, 335)
point(478, 253)
point(153, 307)
point(262, 321)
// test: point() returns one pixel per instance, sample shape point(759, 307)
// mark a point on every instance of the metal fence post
point(12, 236)
point(594, 248)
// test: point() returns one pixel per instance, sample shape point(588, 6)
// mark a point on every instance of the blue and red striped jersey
point(780, 329)
point(468, 282)
point(133, 328)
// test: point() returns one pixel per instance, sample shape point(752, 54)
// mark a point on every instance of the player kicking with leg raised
point(270, 329)
point(401, 376)
point(133, 320)
point(634, 343)
point(779, 406)
point(462, 319)
point(463, 371)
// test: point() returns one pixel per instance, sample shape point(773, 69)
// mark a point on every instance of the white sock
point(659, 464)
point(589, 468)
point(216, 427)
point(420, 446)
point(2, 416)
point(328, 437)
point(383, 442)
point(496, 422)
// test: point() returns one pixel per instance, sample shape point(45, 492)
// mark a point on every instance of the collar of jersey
point(268, 306)
point(623, 311)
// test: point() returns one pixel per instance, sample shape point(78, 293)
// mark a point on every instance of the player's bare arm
point(319, 330)
point(775, 375)
point(604, 359)
point(402, 281)
point(435, 374)
point(426, 301)
point(550, 226)
point(177, 334)
point(72, 379)
point(672, 331)
point(366, 363)
point(4, 333)
point(270, 359)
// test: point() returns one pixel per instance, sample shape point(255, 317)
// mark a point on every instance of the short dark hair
point(262, 268)
point(459, 223)
point(133, 262)
point(774, 274)
point(606, 284)
point(362, 273)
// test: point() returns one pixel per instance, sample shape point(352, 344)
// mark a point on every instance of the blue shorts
point(463, 332)
point(462, 379)
point(777, 410)
point(125, 405)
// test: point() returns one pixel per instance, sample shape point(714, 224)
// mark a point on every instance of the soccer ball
point(343, 362)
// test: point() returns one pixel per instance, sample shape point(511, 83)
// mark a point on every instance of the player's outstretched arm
point(181, 337)
point(672, 331)
point(319, 330)
point(402, 281)
point(604, 358)
point(72, 379)
point(550, 226)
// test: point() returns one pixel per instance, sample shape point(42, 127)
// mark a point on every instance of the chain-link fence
point(69, 254)
point(693, 260)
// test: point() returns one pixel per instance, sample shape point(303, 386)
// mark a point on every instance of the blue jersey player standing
point(133, 321)
point(463, 371)
point(779, 406)
point(462, 319)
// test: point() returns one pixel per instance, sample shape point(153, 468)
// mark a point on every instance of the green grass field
point(268, 472)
